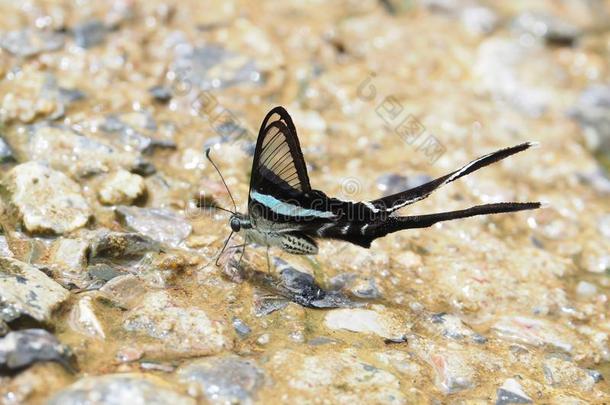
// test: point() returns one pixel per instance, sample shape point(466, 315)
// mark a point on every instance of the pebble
point(90, 33)
point(126, 388)
point(223, 380)
point(394, 183)
point(535, 332)
point(83, 319)
point(70, 254)
point(161, 225)
point(451, 326)
point(338, 376)
point(161, 93)
point(6, 153)
point(376, 321)
point(242, 329)
point(301, 288)
point(121, 245)
point(121, 187)
point(48, 201)
point(125, 291)
point(511, 392)
point(82, 156)
point(592, 112)
point(135, 131)
point(25, 290)
point(182, 330)
point(586, 289)
point(549, 27)
point(19, 349)
point(29, 42)
point(566, 374)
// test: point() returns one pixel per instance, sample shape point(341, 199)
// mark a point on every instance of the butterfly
point(285, 212)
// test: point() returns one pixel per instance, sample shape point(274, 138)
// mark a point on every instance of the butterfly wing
point(278, 160)
point(280, 196)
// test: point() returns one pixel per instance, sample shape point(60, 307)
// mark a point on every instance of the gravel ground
point(108, 289)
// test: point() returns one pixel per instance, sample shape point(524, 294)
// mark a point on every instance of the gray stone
point(185, 331)
point(137, 131)
point(242, 329)
point(90, 33)
point(224, 380)
point(161, 93)
point(121, 187)
point(76, 154)
point(159, 224)
point(592, 112)
point(25, 290)
point(394, 183)
point(6, 153)
point(121, 245)
point(546, 26)
point(113, 389)
point(47, 200)
point(22, 348)
point(125, 291)
point(83, 319)
point(511, 393)
point(29, 42)
point(302, 289)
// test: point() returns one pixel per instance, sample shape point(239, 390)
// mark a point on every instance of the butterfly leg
point(268, 261)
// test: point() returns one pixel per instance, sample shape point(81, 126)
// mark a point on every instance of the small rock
point(4, 329)
point(121, 245)
point(22, 348)
point(242, 329)
point(549, 27)
point(224, 380)
point(136, 131)
point(479, 20)
point(90, 33)
point(73, 153)
point(360, 287)
point(6, 153)
point(535, 332)
point(340, 376)
point(378, 321)
point(566, 374)
point(511, 393)
point(113, 389)
point(25, 290)
point(161, 93)
point(125, 291)
point(592, 112)
point(394, 183)
point(302, 289)
point(5, 249)
point(586, 289)
point(47, 200)
point(103, 272)
point(84, 321)
point(452, 327)
point(29, 42)
point(186, 331)
point(121, 187)
point(161, 225)
point(70, 254)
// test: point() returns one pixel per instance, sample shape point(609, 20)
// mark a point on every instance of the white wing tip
point(533, 144)
point(545, 204)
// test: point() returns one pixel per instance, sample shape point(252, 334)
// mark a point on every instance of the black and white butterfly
point(285, 212)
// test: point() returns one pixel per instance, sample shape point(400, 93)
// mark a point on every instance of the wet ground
point(108, 288)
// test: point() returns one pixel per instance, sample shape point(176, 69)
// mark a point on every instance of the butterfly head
point(238, 222)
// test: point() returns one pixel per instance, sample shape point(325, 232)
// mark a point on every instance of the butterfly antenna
point(207, 154)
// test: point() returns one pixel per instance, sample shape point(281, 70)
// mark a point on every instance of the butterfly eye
point(235, 224)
